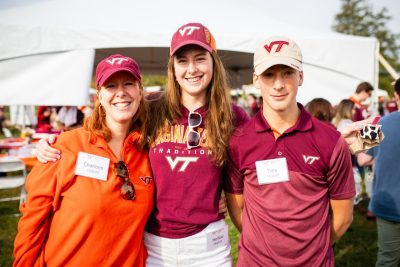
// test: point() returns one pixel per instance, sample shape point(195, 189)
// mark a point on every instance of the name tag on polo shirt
point(272, 171)
point(217, 238)
point(92, 166)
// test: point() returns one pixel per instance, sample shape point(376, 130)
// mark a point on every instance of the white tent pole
point(388, 67)
point(374, 99)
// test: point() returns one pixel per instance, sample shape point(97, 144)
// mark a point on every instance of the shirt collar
point(99, 141)
point(185, 114)
point(304, 122)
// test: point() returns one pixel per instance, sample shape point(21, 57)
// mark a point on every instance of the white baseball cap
point(277, 50)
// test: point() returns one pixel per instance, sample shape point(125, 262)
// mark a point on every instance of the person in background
point(189, 127)
point(344, 117)
point(344, 114)
point(290, 185)
point(321, 109)
point(385, 202)
point(69, 117)
point(391, 106)
point(44, 117)
point(363, 92)
point(90, 207)
point(3, 130)
point(235, 99)
point(253, 105)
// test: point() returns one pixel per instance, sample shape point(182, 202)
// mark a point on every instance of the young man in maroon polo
point(290, 184)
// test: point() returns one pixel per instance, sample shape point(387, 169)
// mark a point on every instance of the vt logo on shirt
point(184, 160)
point(146, 179)
point(309, 159)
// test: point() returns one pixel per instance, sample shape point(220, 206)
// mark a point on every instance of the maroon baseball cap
point(113, 64)
point(192, 33)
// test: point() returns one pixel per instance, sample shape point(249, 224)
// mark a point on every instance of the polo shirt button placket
point(280, 153)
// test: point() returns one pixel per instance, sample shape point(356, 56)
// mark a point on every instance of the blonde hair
point(219, 118)
point(343, 111)
point(96, 122)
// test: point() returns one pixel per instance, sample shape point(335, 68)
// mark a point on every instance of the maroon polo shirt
point(288, 223)
point(188, 185)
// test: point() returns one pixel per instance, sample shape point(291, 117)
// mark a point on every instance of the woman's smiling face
point(120, 97)
point(193, 70)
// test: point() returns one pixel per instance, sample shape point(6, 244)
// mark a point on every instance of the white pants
point(195, 250)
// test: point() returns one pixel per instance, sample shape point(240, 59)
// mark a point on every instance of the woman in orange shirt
point(90, 207)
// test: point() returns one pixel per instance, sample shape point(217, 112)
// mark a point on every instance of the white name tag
point(217, 238)
point(272, 171)
point(92, 166)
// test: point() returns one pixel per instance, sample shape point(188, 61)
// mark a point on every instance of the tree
point(357, 18)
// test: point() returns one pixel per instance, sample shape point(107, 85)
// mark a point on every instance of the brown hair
point(321, 109)
point(364, 87)
point(219, 118)
point(343, 111)
point(397, 86)
point(96, 123)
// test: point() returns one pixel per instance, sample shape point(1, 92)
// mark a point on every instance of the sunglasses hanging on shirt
point(193, 137)
point(127, 189)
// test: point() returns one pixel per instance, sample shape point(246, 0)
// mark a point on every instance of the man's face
point(279, 85)
point(364, 95)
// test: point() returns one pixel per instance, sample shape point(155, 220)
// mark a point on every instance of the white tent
point(48, 47)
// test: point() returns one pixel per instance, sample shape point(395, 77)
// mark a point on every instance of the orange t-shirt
point(73, 220)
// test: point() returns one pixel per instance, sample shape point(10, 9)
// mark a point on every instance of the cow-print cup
point(370, 132)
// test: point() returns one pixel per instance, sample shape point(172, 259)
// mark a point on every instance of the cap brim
point(107, 74)
point(290, 62)
point(191, 42)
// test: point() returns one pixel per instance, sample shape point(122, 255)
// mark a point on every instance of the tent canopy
point(49, 47)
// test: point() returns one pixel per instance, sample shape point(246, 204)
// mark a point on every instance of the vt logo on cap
point(188, 29)
point(277, 50)
point(279, 43)
point(113, 64)
point(192, 34)
point(117, 60)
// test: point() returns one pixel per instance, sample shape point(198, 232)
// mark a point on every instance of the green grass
point(357, 248)
point(9, 216)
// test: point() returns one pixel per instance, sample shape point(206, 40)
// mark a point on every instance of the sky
point(319, 15)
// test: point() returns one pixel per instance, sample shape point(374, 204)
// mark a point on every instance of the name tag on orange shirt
point(92, 166)
point(272, 171)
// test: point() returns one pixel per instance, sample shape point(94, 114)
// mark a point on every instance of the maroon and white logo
point(278, 44)
point(116, 61)
point(310, 159)
point(188, 30)
point(184, 160)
